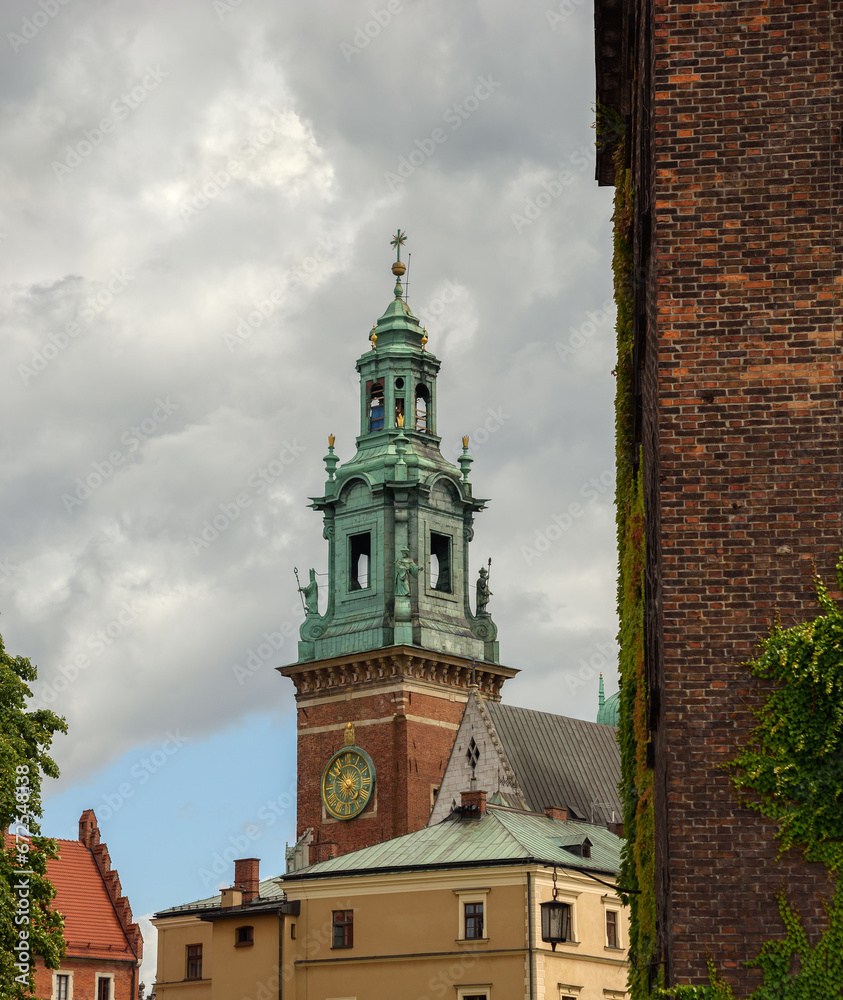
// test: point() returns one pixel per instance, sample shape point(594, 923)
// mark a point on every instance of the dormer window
point(422, 405)
point(376, 407)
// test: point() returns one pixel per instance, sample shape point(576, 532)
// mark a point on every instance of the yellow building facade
point(417, 918)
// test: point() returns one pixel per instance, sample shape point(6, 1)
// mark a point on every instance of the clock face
point(347, 783)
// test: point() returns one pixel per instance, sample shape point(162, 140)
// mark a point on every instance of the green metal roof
point(501, 836)
point(609, 712)
point(268, 891)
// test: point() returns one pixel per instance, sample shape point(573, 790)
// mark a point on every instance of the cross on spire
point(398, 241)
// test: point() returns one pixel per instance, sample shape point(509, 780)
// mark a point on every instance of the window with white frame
point(62, 985)
point(476, 992)
point(472, 914)
point(612, 923)
point(569, 992)
point(105, 987)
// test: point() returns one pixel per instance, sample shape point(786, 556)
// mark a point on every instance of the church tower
point(384, 673)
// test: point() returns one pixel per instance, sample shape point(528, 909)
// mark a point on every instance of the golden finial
point(400, 419)
point(424, 338)
point(349, 735)
point(465, 445)
point(331, 440)
point(374, 339)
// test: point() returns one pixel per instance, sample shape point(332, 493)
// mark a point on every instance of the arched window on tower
point(422, 405)
point(376, 407)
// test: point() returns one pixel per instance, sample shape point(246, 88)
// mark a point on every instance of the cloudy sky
point(197, 203)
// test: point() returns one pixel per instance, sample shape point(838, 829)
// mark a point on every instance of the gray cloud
point(256, 165)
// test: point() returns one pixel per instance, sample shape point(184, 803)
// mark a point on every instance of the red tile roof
point(91, 926)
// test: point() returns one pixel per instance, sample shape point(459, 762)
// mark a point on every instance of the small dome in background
point(608, 712)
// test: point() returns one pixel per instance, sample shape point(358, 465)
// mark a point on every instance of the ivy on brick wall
point(637, 779)
point(792, 768)
point(791, 771)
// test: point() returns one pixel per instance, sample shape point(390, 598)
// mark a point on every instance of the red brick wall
point(85, 971)
point(738, 163)
point(409, 757)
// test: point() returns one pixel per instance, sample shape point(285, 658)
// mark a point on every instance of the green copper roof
point(609, 710)
point(397, 515)
point(500, 836)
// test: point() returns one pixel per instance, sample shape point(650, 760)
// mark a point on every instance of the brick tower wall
point(738, 163)
point(409, 757)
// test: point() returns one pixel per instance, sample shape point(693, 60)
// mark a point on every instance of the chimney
point(89, 833)
point(246, 877)
point(556, 812)
point(474, 802)
point(231, 897)
point(615, 828)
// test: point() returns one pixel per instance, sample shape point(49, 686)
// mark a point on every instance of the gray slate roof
point(560, 761)
point(499, 837)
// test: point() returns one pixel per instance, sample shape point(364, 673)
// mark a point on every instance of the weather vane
point(398, 241)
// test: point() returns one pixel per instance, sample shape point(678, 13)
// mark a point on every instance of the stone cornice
point(377, 666)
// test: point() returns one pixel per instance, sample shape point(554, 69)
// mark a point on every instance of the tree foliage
point(28, 925)
point(793, 767)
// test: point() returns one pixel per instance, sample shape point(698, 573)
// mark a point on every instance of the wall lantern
point(556, 919)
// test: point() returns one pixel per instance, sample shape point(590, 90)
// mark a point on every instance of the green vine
point(637, 859)
point(792, 773)
point(792, 768)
